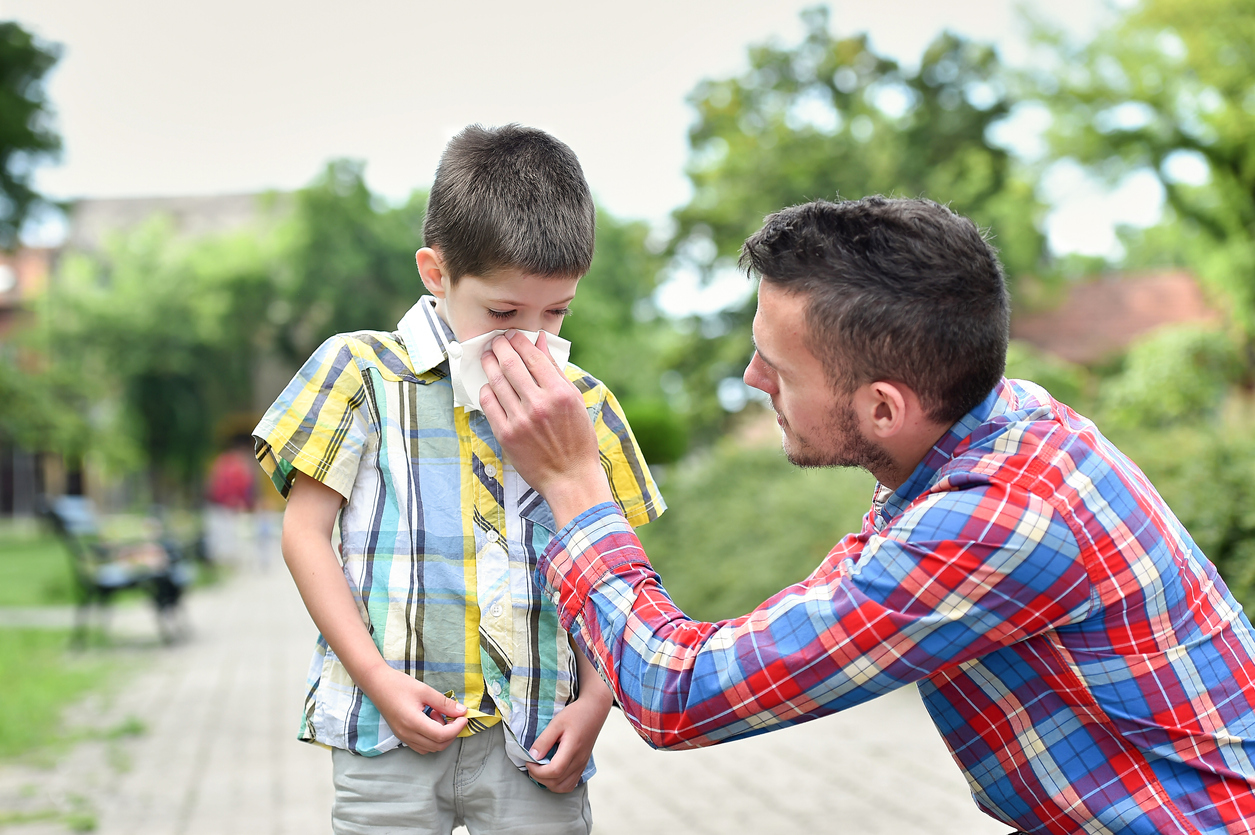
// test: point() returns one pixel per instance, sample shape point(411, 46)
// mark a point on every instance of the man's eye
point(500, 314)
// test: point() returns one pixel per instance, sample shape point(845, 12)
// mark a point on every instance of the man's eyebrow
point(758, 350)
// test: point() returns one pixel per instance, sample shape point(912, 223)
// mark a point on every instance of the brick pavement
point(219, 756)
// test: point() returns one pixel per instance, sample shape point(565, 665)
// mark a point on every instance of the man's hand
point(540, 419)
point(402, 700)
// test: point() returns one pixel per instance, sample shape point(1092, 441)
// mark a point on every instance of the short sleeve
point(630, 480)
point(319, 424)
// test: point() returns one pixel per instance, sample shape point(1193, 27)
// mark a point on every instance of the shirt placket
point(492, 568)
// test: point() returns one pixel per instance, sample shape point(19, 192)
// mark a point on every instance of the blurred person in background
point(231, 498)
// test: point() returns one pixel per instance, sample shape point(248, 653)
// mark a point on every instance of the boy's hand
point(540, 419)
point(573, 730)
point(402, 700)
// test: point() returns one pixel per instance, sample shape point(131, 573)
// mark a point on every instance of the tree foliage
point(160, 332)
point(1169, 88)
point(827, 118)
point(26, 133)
point(349, 262)
point(162, 337)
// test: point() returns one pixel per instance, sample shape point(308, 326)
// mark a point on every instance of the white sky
point(155, 97)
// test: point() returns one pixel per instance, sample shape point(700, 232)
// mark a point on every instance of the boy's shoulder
point(595, 391)
point(383, 351)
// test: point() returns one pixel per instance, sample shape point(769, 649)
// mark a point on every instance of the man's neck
point(906, 450)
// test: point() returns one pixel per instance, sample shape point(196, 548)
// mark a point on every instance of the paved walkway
point(218, 756)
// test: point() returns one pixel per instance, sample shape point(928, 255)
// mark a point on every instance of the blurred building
point(1097, 319)
point(93, 221)
point(28, 272)
point(23, 276)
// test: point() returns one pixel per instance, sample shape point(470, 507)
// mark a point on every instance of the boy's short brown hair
point(510, 197)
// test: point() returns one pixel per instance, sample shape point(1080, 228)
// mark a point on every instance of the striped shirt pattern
point(439, 537)
point(1087, 667)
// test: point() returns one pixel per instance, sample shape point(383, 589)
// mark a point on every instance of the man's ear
point(431, 271)
point(885, 406)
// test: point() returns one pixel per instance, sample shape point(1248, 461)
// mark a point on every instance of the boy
point(438, 536)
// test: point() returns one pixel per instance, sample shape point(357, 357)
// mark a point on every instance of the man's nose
point(755, 377)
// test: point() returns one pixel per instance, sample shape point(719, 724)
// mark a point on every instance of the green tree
point(163, 335)
point(829, 118)
point(1169, 89)
point(349, 262)
point(160, 334)
point(618, 336)
point(26, 133)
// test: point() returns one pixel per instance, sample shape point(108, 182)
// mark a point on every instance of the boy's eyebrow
point(513, 303)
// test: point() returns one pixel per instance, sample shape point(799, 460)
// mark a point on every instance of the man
point(1082, 659)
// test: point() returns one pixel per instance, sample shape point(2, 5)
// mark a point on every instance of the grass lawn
point(743, 523)
point(41, 676)
point(34, 569)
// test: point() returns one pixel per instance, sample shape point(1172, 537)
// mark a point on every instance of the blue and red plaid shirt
point(1087, 667)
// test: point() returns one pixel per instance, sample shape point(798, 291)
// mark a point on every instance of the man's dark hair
point(900, 290)
point(510, 197)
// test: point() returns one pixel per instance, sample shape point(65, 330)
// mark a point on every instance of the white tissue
point(466, 369)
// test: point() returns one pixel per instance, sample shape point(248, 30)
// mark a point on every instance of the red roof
point(1101, 317)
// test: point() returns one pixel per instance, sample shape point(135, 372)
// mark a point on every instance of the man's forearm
point(668, 672)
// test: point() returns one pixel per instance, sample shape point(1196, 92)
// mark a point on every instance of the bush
point(1175, 375)
point(1066, 382)
point(744, 523)
point(660, 432)
point(1206, 475)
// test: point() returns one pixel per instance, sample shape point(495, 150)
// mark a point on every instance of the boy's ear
point(431, 271)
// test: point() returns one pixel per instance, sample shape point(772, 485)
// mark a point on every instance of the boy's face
point(511, 298)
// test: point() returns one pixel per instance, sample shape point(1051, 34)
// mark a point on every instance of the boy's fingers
point(542, 345)
point(439, 734)
point(449, 707)
point(547, 739)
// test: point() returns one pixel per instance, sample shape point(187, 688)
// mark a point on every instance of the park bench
point(158, 567)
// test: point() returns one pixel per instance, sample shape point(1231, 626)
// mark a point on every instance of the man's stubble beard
point(843, 446)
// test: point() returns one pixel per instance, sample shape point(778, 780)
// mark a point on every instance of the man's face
point(818, 424)
point(509, 299)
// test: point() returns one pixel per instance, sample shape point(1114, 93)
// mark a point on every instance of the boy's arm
point(573, 730)
point(307, 528)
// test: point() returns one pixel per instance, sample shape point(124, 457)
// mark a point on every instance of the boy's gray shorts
point(470, 783)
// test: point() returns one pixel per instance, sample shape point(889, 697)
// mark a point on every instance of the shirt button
point(492, 536)
point(495, 688)
point(496, 610)
point(490, 470)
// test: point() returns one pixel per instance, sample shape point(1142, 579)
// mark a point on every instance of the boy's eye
point(501, 314)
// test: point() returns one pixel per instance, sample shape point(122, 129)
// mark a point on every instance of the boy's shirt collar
point(426, 336)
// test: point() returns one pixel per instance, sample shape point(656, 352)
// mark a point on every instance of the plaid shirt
point(439, 538)
point(1088, 669)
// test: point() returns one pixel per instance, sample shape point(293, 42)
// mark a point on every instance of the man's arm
point(882, 610)
point(308, 522)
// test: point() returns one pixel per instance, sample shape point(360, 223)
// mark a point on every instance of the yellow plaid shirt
point(439, 537)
